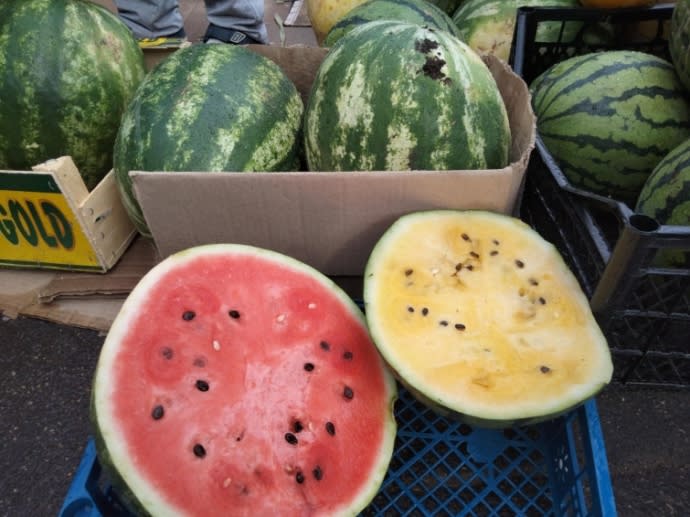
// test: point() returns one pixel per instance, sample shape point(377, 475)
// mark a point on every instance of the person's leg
point(151, 18)
point(236, 21)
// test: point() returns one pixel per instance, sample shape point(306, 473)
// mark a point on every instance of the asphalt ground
point(44, 424)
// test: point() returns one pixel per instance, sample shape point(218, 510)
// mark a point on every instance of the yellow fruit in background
point(323, 14)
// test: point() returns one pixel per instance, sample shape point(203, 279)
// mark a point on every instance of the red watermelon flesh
point(239, 381)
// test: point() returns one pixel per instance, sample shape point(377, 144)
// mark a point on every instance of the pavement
point(46, 372)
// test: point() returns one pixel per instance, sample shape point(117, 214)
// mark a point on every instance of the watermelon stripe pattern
point(69, 70)
point(397, 96)
point(209, 108)
point(419, 12)
point(679, 41)
point(609, 118)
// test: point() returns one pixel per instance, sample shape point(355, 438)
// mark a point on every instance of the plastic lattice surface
point(442, 467)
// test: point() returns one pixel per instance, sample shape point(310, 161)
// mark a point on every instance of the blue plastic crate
point(443, 467)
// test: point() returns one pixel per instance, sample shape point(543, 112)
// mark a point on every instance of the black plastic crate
point(643, 310)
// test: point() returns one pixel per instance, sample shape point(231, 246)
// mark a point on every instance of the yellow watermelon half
point(480, 318)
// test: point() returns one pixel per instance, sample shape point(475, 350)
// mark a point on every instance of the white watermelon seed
point(227, 482)
point(312, 305)
point(216, 345)
point(281, 318)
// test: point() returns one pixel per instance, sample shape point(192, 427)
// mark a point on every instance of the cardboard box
point(330, 220)
point(48, 219)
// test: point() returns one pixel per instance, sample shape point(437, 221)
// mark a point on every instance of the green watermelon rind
point(70, 68)
point(407, 377)
point(131, 488)
point(208, 108)
point(419, 12)
point(397, 96)
point(679, 36)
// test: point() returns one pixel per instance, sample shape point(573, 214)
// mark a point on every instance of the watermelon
point(239, 381)
point(679, 40)
point(665, 197)
point(390, 96)
point(488, 25)
point(209, 108)
point(419, 12)
point(69, 70)
point(480, 318)
point(608, 118)
point(447, 6)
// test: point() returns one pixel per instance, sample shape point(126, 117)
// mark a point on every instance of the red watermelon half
point(239, 381)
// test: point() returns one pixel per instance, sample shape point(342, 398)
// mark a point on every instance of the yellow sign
point(38, 227)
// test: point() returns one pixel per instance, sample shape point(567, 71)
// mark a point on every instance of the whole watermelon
point(69, 70)
point(666, 197)
point(209, 108)
point(608, 118)
point(398, 96)
point(420, 12)
point(679, 40)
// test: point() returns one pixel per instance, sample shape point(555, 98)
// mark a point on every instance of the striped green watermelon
point(487, 25)
point(608, 118)
point(447, 6)
point(209, 108)
point(69, 69)
point(419, 12)
point(398, 96)
point(666, 197)
point(237, 381)
point(679, 40)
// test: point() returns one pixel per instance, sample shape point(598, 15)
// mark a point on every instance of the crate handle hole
point(644, 223)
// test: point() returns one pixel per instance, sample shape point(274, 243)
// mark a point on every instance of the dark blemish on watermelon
point(425, 45)
point(425, 311)
point(348, 393)
point(474, 254)
point(460, 326)
point(408, 272)
point(410, 309)
point(465, 237)
point(299, 477)
point(330, 428)
point(533, 281)
point(291, 439)
point(157, 412)
point(318, 473)
point(519, 263)
point(308, 366)
point(297, 426)
point(347, 355)
point(432, 68)
point(234, 314)
point(542, 300)
point(199, 450)
point(544, 369)
point(188, 315)
point(167, 352)
point(202, 385)
point(199, 362)
point(443, 323)
point(239, 437)
point(325, 345)
point(493, 253)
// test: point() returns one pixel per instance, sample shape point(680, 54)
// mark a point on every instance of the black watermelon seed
point(533, 281)
point(318, 474)
point(408, 272)
point(297, 426)
point(410, 309)
point(493, 253)
point(308, 366)
point(299, 477)
point(460, 326)
point(443, 323)
point(202, 385)
point(496, 243)
point(157, 412)
point(325, 345)
point(330, 428)
point(199, 450)
point(200, 362)
point(474, 254)
point(544, 369)
point(542, 300)
point(425, 311)
point(519, 263)
point(465, 237)
point(188, 315)
point(470, 267)
point(234, 314)
point(458, 266)
point(167, 352)
point(348, 393)
point(291, 438)
point(347, 355)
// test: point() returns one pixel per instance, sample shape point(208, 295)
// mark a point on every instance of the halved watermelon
point(238, 381)
point(480, 317)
